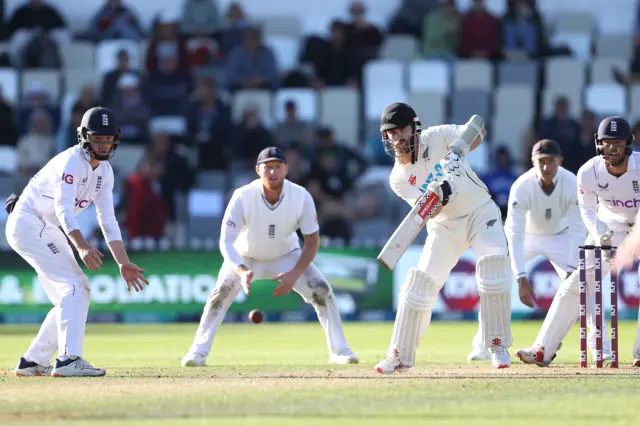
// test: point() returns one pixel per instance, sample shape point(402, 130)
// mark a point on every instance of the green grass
point(277, 374)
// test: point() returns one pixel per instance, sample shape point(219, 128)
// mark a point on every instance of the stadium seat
point(430, 107)
point(383, 74)
point(615, 46)
point(564, 74)
point(473, 74)
point(126, 159)
point(506, 97)
point(518, 72)
point(285, 49)
point(634, 96)
point(261, 99)
point(106, 54)
point(205, 203)
point(318, 25)
point(579, 43)
point(606, 99)
point(602, 67)
point(9, 85)
point(214, 180)
point(75, 79)
point(47, 79)
point(429, 76)
point(509, 134)
point(402, 48)
point(479, 159)
point(574, 96)
point(305, 99)
point(281, 26)
point(8, 160)
point(79, 55)
point(173, 125)
point(573, 22)
point(466, 103)
point(377, 100)
point(616, 20)
point(340, 109)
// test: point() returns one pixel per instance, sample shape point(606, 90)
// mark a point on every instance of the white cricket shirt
point(533, 211)
point(66, 186)
point(255, 229)
point(608, 199)
point(409, 181)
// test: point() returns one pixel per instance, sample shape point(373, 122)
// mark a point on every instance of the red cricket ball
point(256, 316)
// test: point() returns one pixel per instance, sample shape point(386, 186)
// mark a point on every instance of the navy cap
point(546, 148)
point(614, 128)
point(397, 115)
point(273, 153)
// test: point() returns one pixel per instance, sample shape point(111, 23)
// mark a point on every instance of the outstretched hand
point(132, 275)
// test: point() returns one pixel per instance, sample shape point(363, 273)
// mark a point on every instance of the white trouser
point(312, 286)
point(447, 240)
point(46, 249)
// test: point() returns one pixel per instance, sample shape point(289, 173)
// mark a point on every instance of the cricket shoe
point(392, 364)
point(76, 367)
point(479, 355)
point(535, 355)
point(500, 357)
point(345, 356)
point(29, 369)
point(636, 362)
point(194, 359)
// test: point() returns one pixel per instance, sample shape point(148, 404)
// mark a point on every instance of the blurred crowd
point(196, 61)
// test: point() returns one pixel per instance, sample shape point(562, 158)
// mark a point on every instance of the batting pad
point(417, 298)
point(493, 274)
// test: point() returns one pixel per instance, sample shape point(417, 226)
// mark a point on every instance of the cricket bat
point(413, 223)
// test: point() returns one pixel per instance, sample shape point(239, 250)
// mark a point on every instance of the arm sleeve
point(64, 194)
point(408, 193)
point(106, 213)
point(515, 229)
point(309, 218)
point(232, 224)
point(445, 134)
point(588, 203)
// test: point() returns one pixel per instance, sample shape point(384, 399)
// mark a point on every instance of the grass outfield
point(276, 374)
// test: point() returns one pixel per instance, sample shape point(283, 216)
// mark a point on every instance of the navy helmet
point(99, 121)
point(614, 128)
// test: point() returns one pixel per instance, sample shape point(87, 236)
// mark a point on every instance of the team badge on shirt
point(412, 180)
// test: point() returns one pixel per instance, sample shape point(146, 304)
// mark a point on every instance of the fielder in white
point(543, 220)
point(64, 187)
point(466, 217)
point(259, 241)
point(609, 197)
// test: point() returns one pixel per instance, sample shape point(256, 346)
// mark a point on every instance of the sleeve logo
point(67, 178)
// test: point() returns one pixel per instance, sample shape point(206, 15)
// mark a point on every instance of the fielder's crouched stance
point(467, 217)
point(259, 241)
point(64, 187)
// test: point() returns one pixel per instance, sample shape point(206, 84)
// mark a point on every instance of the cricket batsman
point(259, 241)
point(427, 160)
point(608, 196)
point(41, 220)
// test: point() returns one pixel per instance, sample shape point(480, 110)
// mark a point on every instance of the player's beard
point(275, 185)
point(614, 160)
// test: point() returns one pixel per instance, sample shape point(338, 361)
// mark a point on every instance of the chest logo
point(84, 180)
point(603, 187)
point(412, 180)
point(99, 183)
point(636, 186)
point(439, 174)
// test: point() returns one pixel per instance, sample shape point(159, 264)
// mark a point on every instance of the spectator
point(146, 210)
point(132, 109)
point(333, 174)
point(523, 32)
point(110, 81)
point(441, 32)
point(561, 127)
point(499, 181)
point(634, 67)
point(250, 136)
point(200, 18)
point(410, 15)
point(298, 164)
point(585, 148)
point(293, 129)
point(35, 22)
point(363, 37)
point(9, 134)
point(115, 21)
point(209, 125)
point(233, 33)
point(87, 97)
point(252, 65)
point(177, 176)
point(35, 148)
point(37, 97)
point(42, 52)
point(479, 33)
point(170, 85)
point(68, 136)
point(334, 62)
point(166, 34)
